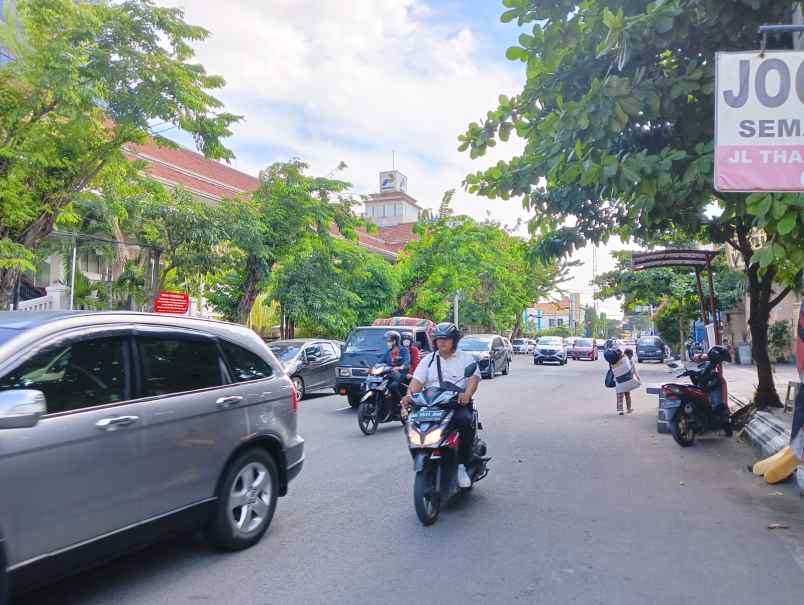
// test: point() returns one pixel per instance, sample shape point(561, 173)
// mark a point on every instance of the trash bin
point(744, 354)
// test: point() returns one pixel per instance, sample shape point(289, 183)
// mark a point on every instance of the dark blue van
point(364, 348)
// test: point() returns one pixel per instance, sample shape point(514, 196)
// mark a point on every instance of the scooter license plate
point(429, 415)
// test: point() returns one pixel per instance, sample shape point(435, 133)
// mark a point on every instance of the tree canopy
point(85, 80)
point(496, 276)
point(617, 115)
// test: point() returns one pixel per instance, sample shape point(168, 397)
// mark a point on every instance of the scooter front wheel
point(681, 430)
point(425, 497)
point(367, 417)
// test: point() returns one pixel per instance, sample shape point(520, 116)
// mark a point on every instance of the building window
point(399, 210)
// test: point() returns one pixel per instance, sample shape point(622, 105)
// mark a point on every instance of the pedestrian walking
point(624, 379)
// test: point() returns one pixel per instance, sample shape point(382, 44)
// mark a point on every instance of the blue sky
point(353, 81)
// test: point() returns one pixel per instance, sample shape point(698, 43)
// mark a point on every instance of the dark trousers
point(798, 414)
point(462, 420)
point(395, 386)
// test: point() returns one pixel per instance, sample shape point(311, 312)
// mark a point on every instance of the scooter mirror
point(470, 370)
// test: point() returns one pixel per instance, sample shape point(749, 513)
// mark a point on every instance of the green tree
point(186, 233)
point(325, 290)
point(493, 270)
point(86, 80)
point(288, 208)
point(617, 117)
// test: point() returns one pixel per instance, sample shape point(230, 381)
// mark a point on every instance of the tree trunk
point(517, 331)
point(8, 280)
point(759, 290)
point(250, 290)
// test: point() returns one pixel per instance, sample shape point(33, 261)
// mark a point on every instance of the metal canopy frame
point(698, 260)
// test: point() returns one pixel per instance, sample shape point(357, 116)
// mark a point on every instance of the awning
point(672, 258)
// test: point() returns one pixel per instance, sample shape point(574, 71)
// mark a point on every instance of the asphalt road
point(581, 506)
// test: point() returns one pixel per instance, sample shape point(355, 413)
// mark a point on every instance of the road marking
point(348, 407)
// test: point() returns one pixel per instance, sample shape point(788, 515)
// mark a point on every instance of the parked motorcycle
point(688, 408)
point(434, 448)
point(377, 406)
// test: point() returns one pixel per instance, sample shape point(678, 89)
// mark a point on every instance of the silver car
point(117, 429)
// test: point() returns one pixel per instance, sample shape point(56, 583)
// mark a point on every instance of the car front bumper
point(549, 357)
point(650, 354)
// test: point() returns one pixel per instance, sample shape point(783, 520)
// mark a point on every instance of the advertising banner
point(759, 110)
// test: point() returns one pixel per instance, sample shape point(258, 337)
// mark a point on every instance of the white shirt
point(452, 369)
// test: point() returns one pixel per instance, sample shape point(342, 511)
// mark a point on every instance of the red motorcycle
point(689, 407)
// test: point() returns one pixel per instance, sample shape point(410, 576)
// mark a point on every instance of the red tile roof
point(205, 177)
point(216, 181)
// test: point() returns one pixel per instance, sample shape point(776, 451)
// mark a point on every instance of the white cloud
point(328, 81)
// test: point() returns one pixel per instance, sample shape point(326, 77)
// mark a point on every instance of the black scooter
point(433, 444)
point(689, 410)
point(377, 406)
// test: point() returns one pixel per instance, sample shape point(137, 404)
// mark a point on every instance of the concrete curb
point(764, 431)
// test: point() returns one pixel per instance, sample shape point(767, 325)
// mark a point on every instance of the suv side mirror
point(21, 408)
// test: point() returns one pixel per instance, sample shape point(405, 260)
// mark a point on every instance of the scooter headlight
point(414, 438)
point(432, 438)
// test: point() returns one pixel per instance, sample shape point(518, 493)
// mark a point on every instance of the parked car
point(520, 346)
point(531, 345)
point(550, 348)
point(364, 348)
point(600, 342)
point(310, 363)
point(489, 351)
point(583, 348)
point(651, 347)
point(120, 428)
point(509, 348)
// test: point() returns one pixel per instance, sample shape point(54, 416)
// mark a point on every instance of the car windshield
point(584, 342)
point(550, 342)
point(518, 341)
point(285, 352)
point(366, 341)
point(474, 344)
point(649, 342)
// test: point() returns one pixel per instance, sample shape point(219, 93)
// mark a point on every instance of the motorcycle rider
point(450, 363)
point(398, 357)
point(415, 353)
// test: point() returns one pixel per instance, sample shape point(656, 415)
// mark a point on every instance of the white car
point(550, 348)
point(531, 345)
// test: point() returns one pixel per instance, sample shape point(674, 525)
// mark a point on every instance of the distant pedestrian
point(797, 432)
point(629, 353)
point(625, 381)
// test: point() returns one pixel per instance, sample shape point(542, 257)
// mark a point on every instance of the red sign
point(172, 302)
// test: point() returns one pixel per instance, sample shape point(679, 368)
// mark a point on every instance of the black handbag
point(610, 382)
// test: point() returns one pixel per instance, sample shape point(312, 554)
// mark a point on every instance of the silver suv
point(119, 428)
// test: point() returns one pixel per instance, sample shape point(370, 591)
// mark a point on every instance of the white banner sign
point(759, 110)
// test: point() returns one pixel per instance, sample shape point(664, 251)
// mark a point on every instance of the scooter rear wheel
point(425, 498)
point(681, 430)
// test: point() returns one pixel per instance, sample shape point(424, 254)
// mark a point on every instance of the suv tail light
point(294, 399)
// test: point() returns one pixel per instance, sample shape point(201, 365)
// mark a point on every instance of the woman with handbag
point(622, 370)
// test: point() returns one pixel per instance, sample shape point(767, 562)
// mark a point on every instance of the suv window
point(77, 375)
point(314, 352)
point(650, 340)
point(329, 349)
point(173, 364)
point(245, 365)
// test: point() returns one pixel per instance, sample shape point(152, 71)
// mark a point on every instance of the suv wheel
point(246, 501)
point(354, 396)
